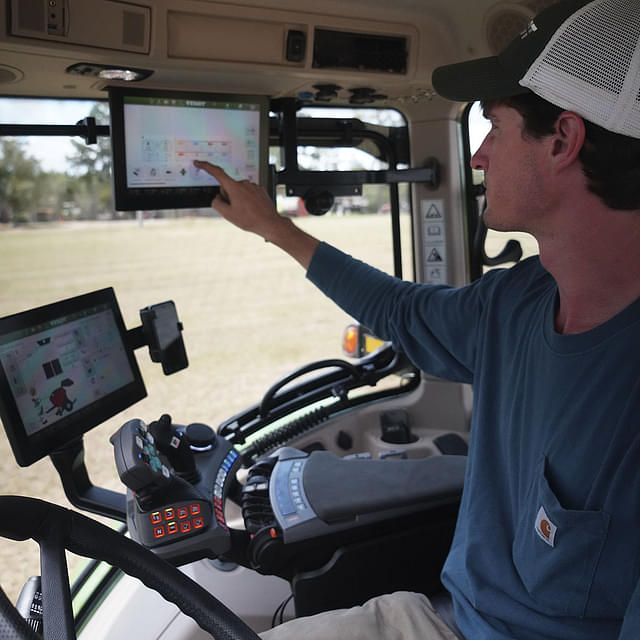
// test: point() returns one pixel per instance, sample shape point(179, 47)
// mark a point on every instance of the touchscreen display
point(164, 135)
point(64, 368)
point(156, 135)
point(61, 366)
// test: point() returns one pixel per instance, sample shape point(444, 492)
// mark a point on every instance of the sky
point(52, 151)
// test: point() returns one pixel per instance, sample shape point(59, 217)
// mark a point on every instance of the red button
point(183, 512)
point(155, 517)
point(172, 527)
point(169, 514)
point(195, 509)
point(158, 532)
point(185, 526)
point(198, 523)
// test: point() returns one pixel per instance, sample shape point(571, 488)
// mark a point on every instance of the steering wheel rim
point(55, 529)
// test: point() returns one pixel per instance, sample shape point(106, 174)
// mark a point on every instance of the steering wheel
point(55, 529)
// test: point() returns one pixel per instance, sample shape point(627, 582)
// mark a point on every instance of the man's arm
point(249, 207)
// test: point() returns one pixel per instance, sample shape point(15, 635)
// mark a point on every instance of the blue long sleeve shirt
point(547, 543)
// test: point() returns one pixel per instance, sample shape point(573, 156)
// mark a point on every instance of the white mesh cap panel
point(592, 66)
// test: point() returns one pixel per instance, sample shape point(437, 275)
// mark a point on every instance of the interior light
point(109, 72)
point(127, 75)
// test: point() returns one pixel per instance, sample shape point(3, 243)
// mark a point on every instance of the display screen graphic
point(156, 135)
point(64, 369)
point(163, 136)
point(57, 369)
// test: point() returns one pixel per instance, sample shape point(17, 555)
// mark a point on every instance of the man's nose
point(479, 160)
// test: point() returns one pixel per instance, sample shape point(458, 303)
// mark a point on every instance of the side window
point(370, 208)
point(495, 241)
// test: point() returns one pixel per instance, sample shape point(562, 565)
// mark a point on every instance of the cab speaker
point(30, 15)
point(133, 29)
point(9, 75)
point(504, 22)
point(117, 24)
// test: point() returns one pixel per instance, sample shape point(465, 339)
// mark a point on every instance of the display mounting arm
point(70, 465)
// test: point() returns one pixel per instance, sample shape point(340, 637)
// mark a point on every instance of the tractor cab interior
point(340, 479)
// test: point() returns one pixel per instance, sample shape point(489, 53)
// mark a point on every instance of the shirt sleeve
point(435, 326)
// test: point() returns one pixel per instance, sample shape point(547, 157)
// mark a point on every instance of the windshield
point(249, 317)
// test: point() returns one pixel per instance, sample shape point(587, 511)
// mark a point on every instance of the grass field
point(249, 315)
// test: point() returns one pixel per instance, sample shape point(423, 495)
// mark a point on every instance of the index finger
point(217, 172)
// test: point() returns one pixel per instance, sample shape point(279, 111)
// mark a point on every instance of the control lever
point(140, 465)
point(175, 446)
point(161, 506)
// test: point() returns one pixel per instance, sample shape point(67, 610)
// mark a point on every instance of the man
point(546, 544)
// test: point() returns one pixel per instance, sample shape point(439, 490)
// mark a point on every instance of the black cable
point(280, 611)
point(284, 606)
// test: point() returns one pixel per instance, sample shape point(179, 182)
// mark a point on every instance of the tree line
point(30, 194)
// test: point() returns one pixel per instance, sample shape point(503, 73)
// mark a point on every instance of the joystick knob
point(176, 447)
point(201, 437)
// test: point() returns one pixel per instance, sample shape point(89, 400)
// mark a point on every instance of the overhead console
point(306, 41)
point(286, 51)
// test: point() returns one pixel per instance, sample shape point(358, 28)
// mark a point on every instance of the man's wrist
point(278, 231)
point(293, 240)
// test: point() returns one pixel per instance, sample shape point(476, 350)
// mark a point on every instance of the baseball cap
point(580, 55)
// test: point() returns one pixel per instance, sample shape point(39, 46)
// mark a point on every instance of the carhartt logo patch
point(545, 528)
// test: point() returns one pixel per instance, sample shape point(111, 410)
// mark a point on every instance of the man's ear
point(568, 139)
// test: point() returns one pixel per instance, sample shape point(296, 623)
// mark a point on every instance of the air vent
point(359, 51)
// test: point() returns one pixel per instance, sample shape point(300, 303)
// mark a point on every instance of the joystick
point(175, 446)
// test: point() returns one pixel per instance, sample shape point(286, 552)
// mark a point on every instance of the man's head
point(580, 56)
point(610, 161)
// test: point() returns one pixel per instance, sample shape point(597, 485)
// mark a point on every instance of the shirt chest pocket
point(556, 550)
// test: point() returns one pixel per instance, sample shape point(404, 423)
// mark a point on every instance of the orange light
point(350, 340)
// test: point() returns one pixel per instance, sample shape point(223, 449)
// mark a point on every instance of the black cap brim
point(481, 79)
point(498, 76)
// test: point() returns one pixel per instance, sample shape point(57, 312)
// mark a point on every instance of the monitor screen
point(156, 136)
point(64, 369)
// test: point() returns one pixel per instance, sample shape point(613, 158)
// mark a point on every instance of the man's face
point(513, 167)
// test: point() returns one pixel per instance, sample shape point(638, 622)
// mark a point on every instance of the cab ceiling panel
point(121, 26)
point(291, 39)
point(224, 38)
point(50, 79)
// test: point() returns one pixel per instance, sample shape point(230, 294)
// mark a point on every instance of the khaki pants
point(397, 616)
